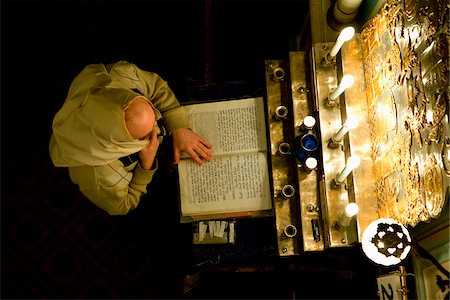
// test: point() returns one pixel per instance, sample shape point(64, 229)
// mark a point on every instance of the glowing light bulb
point(351, 123)
point(346, 34)
point(307, 124)
point(350, 211)
point(346, 82)
point(311, 163)
point(352, 163)
point(309, 121)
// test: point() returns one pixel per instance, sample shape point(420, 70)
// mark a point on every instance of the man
point(107, 133)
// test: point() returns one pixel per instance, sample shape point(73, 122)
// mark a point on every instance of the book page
point(225, 184)
point(233, 126)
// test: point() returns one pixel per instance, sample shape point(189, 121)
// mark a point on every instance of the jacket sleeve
point(112, 187)
point(159, 93)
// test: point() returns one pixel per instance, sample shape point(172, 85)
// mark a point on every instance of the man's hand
point(148, 153)
point(188, 141)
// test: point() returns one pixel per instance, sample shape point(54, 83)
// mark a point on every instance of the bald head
point(139, 118)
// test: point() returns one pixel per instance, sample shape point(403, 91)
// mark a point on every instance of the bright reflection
point(430, 116)
point(428, 48)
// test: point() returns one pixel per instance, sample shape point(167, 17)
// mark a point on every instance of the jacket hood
point(90, 127)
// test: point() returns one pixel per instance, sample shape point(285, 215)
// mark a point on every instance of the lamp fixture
point(349, 212)
point(346, 34)
point(346, 82)
point(352, 163)
point(308, 123)
point(351, 123)
point(386, 242)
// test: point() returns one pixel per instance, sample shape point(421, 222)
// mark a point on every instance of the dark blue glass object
point(305, 145)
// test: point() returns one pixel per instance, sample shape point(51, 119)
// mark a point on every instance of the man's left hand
point(188, 141)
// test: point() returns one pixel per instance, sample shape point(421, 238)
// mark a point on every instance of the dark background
point(55, 243)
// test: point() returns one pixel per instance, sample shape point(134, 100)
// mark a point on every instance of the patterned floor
point(55, 243)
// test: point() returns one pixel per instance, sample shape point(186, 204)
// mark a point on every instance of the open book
point(236, 181)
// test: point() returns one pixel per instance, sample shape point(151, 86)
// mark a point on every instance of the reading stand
point(254, 237)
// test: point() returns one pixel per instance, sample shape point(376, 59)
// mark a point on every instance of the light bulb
point(351, 123)
point(350, 210)
point(352, 163)
point(309, 121)
point(307, 124)
point(346, 82)
point(345, 35)
point(311, 163)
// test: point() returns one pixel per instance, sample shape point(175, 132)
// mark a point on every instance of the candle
point(309, 122)
point(352, 163)
point(337, 137)
point(346, 82)
point(310, 163)
point(350, 210)
point(351, 123)
point(345, 35)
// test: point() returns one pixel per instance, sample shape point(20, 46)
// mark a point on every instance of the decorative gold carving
point(410, 9)
point(408, 63)
point(432, 183)
point(407, 44)
point(392, 66)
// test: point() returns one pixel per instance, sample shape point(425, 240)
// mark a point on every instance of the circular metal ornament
point(386, 242)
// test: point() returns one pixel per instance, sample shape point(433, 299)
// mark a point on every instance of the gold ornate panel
point(405, 56)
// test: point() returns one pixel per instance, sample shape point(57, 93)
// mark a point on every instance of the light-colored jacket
point(90, 135)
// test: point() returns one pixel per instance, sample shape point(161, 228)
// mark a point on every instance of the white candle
point(351, 123)
point(352, 163)
point(345, 35)
point(350, 210)
point(346, 82)
point(337, 137)
point(311, 163)
point(309, 121)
